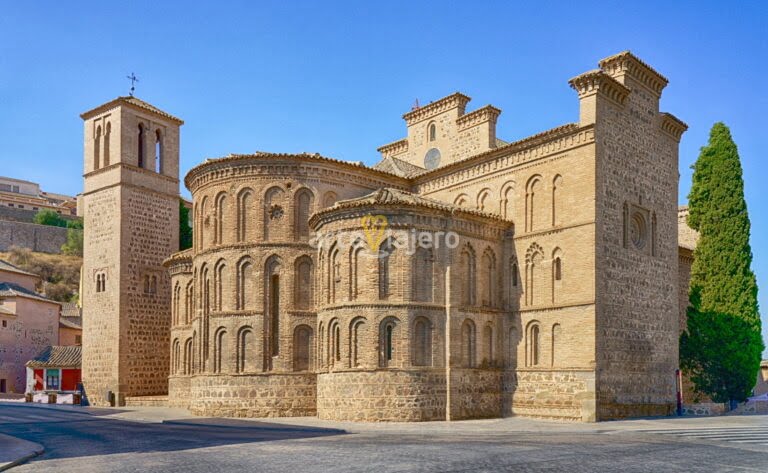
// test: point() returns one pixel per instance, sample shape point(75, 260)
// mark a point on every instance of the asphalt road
point(94, 440)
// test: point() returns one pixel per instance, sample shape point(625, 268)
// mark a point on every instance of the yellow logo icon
point(374, 228)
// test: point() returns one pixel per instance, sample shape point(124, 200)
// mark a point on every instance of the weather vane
point(133, 80)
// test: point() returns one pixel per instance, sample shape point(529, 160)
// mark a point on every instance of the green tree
point(185, 231)
point(722, 345)
point(74, 244)
point(49, 217)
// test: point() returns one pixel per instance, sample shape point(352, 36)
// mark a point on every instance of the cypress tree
point(185, 231)
point(722, 345)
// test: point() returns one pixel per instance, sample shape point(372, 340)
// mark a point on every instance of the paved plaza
point(156, 439)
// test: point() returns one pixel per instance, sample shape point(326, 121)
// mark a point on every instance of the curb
point(36, 450)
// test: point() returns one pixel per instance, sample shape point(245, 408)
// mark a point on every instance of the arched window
point(354, 270)
point(244, 347)
point(274, 210)
point(321, 340)
point(468, 344)
point(423, 274)
point(97, 148)
point(147, 287)
point(557, 184)
point(175, 310)
point(189, 302)
point(158, 152)
point(188, 360)
point(533, 344)
point(140, 151)
point(489, 278)
point(533, 274)
point(201, 223)
point(468, 267)
point(422, 342)
point(329, 199)
point(334, 350)
point(461, 200)
point(507, 200)
point(489, 342)
point(107, 136)
point(220, 218)
point(385, 254)
point(432, 132)
point(272, 292)
point(333, 273)
point(302, 342)
point(356, 334)
point(482, 199)
point(303, 285)
point(219, 275)
point(153, 285)
point(556, 335)
point(205, 291)
point(513, 273)
point(175, 354)
point(557, 273)
point(244, 207)
point(387, 337)
point(245, 293)
point(531, 202)
point(302, 209)
point(219, 350)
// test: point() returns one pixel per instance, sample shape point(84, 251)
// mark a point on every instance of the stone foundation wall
point(252, 395)
point(179, 391)
point(550, 394)
point(42, 238)
point(395, 395)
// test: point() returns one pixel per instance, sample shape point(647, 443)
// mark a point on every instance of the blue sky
point(335, 77)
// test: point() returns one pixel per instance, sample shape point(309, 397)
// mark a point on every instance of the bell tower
point(131, 216)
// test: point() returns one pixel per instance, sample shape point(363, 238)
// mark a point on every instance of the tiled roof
point(70, 309)
point(57, 357)
point(71, 322)
point(130, 100)
point(6, 266)
point(9, 289)
point(398, 167)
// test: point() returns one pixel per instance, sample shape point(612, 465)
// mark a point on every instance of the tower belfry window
point(141, 146)
point(158, 152)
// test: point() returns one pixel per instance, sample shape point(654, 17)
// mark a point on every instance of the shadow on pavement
point(71, 434)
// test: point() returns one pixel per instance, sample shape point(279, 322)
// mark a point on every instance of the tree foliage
point(185, 231)
point(49, 217)
point(722, 345)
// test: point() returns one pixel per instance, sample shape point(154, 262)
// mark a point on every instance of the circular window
point(638, 230)
point(432, 158)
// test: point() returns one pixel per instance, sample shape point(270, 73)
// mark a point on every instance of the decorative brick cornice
point(528, 149)
point(629, 64)
point(457, 100)
point(286, 164)
point(394, 148)
point(180, 262)
point(481, 115)
point(597, 81)
point(673, 126)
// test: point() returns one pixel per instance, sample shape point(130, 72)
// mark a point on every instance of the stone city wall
point(42, 238)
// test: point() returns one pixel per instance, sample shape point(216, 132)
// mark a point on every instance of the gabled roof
point(398, 167)
point(57, 357)
point(71, 322)
point(70, 309)
point(132, 102)
point(9, 289)
point(6, 266)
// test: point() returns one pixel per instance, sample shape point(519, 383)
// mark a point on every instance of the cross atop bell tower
point(131, 212)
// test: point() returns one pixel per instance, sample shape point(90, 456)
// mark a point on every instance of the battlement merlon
point(593, 85)
point(626, 65)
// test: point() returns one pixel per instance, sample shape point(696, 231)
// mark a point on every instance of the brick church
point(463, 276)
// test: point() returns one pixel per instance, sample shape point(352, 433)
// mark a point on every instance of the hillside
point(60, 273)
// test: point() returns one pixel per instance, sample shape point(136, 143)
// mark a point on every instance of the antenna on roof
point(133, 80)
point(415, 105)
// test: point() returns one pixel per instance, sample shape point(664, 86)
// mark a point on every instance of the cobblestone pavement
point(96, 440)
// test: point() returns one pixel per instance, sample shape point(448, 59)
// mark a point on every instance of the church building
point(463, 276)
